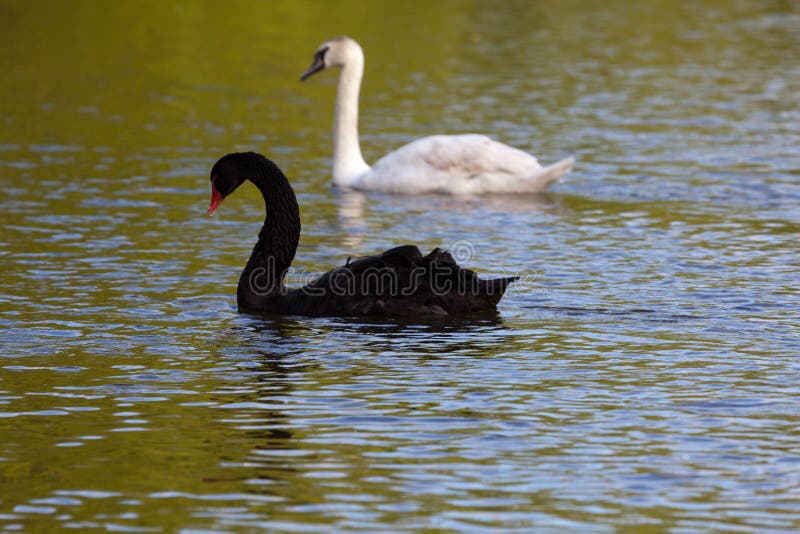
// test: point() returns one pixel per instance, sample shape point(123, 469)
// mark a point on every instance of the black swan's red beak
point(216, 199)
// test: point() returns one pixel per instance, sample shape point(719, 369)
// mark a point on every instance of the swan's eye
point(320, 55)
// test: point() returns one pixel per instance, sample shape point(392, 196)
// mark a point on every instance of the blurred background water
point(643, 375)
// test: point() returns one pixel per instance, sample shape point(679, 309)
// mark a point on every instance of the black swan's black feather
point(399, 282)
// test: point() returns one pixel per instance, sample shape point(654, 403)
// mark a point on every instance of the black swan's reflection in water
point(287, 357)
point(267, 379)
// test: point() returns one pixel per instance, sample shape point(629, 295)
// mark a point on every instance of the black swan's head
point(229, 173)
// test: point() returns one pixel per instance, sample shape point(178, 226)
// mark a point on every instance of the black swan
point(399, 282)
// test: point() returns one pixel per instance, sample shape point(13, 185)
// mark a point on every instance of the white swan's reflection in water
point(353, 206)
point(360, 212)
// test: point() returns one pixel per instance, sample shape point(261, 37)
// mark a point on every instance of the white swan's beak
point(317, 65)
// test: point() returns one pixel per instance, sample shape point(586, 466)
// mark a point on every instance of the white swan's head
point(336, 52)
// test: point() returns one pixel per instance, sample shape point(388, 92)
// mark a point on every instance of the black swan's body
point(400, 282)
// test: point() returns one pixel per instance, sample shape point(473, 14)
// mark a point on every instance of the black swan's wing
point(402, 281)
point(455, 289)
point(395, 259)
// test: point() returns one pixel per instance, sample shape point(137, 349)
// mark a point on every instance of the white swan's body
point(451, 164)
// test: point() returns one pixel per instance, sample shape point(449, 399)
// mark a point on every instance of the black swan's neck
point(262, 278)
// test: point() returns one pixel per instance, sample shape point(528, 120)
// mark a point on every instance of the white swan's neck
point(348, 163)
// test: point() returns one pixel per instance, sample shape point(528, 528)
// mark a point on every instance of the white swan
point(451, 164)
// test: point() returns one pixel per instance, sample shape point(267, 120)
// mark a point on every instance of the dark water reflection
point(642, 374)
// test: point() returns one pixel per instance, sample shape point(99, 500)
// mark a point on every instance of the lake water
point(644, 375)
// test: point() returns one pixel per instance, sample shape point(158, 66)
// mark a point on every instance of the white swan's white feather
point(468, 164)
point(459, 165)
